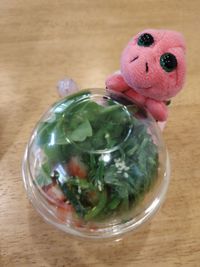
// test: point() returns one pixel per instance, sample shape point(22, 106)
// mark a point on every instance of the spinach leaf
point(44, 177)
point(83, 131)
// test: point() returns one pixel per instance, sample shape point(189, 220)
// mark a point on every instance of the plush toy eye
point(168, 62)
point(145, 39)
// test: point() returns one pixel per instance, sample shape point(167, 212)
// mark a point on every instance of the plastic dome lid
point(96, 165)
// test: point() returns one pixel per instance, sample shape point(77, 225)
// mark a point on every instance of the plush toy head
point(153, 63)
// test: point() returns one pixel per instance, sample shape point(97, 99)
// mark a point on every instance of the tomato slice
point(77, 168)
point(64, 211)
point(54, 193)
point(56, 198)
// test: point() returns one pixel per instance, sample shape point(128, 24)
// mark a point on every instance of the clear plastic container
point(96, 165)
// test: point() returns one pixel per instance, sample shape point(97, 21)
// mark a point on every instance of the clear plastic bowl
point(96, 165)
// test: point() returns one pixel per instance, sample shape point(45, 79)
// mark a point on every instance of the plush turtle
point(152, 70)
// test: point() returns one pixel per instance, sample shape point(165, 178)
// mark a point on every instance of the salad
point(99, 158)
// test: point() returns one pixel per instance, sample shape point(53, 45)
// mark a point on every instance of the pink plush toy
point(152, 70)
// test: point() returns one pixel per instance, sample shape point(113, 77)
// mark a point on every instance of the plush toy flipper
point(157, 109)
point(116, 82)
point(135, 96)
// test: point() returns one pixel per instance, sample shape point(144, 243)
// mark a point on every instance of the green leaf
point(95, 211)
point(43, 180)
point(53, 152)
point(83, 131)
point(44, 177)
point(114, 203)
point(108, 190)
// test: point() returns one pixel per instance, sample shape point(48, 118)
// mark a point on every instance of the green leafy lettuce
point(120, 157)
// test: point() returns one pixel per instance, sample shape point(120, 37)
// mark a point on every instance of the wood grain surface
point(42, 41)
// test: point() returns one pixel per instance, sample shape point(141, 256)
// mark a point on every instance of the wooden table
point(42, 41)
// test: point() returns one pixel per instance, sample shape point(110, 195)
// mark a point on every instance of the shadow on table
point(58, 249)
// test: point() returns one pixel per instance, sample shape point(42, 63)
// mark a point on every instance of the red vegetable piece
point(64, 211)
point(77, 168)
point(54, 193)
